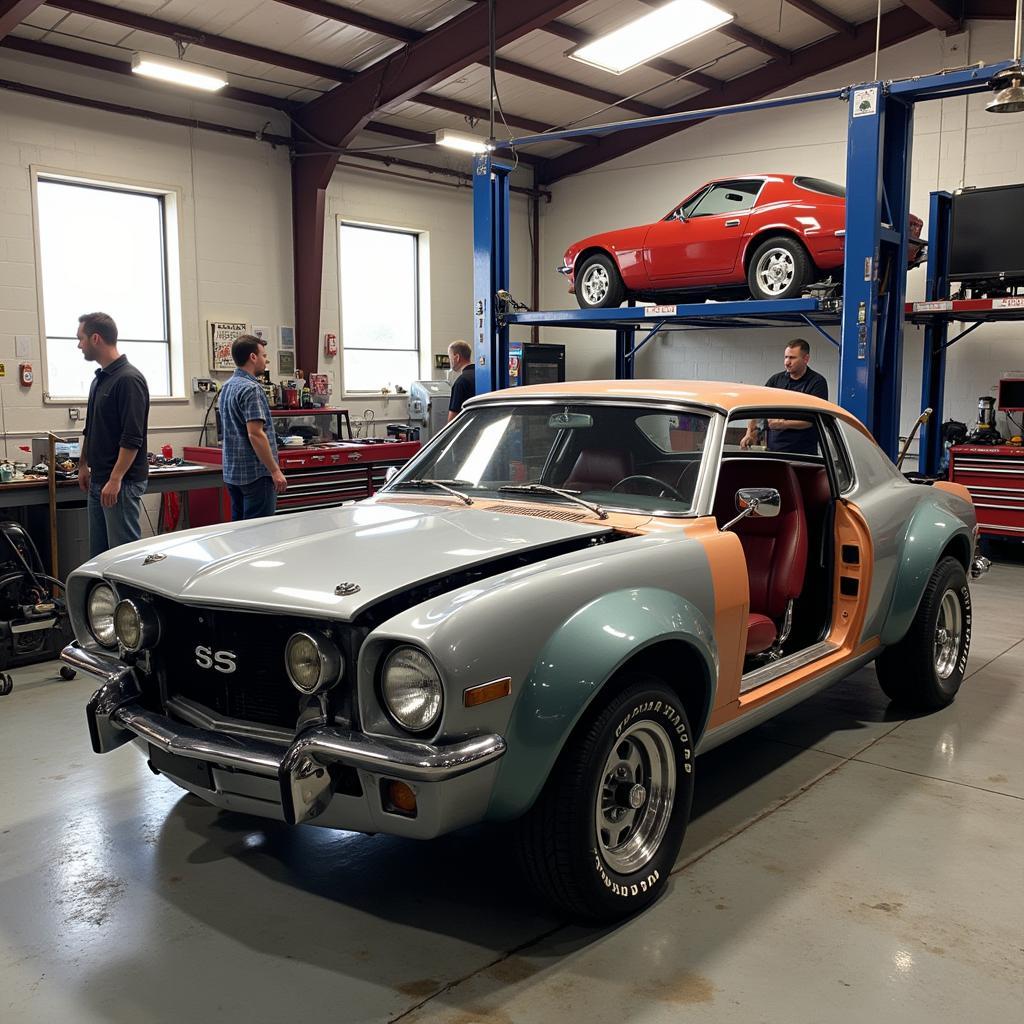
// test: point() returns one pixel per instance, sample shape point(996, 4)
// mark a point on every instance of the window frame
point(418, 237)
point(170, 204)
point(737, 183)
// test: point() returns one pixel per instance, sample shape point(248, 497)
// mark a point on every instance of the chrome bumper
point(563, 269)
point(302, 772)
point(979, 566)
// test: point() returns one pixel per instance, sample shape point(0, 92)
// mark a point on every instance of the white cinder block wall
point(808, 139)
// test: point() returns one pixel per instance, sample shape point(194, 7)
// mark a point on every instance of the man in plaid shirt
point(248, 443)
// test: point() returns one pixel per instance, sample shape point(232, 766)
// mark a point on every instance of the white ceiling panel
point(44, 17)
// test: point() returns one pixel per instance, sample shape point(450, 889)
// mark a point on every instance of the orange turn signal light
point(398, 796)
point(484, 692)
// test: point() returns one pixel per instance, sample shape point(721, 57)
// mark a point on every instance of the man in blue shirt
point(248, 445)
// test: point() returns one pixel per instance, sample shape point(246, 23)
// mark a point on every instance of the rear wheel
point(779, 269)
point(925, 669)
point(598, 284)
point(603, 836)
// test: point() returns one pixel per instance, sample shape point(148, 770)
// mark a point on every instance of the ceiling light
point(1009, 97)
point(169, 69)
point(462, 140)
point(658, 32)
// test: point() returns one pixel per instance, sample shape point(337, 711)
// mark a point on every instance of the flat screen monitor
point(1011, 394)
point(986, 241)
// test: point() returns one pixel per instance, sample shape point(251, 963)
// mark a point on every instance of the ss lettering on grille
point(219, 661)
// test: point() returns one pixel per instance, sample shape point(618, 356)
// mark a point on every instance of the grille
point(257, 691)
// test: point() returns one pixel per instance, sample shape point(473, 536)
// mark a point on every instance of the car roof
point(723, 395)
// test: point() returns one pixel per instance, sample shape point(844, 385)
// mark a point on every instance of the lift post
point(491, 196)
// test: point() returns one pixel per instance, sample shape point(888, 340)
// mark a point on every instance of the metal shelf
point(979, 311)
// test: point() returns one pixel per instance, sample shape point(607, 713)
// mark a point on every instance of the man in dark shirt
point(460, 355)
point(795, 436)
point(112, 469)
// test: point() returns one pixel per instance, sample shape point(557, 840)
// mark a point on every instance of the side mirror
point(760, 502)
point(390, 473)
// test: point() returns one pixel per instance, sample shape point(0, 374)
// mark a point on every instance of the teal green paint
point(583, 653)
point(931, 529)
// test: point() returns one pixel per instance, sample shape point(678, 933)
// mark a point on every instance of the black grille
point(258, 690)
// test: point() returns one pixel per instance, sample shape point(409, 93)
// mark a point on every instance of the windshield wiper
point(442, 485)
point(544, 489)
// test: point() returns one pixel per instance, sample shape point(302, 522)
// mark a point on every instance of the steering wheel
point(662, 488)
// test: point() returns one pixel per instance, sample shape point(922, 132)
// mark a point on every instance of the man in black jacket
point(460, 355)
point(113, 469)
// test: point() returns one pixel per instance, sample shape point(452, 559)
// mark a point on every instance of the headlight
point(314, 663)
point(411, 689)
point(99, 613)
point(135, 625)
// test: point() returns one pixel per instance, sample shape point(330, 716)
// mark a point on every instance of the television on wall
point(1011, 394)
point(986, 241)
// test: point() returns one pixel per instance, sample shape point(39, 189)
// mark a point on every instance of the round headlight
point(99, 611)
point(314, 663)
point(135, 625)
point(411, 689)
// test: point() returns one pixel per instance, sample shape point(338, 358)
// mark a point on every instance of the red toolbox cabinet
point(994, 474)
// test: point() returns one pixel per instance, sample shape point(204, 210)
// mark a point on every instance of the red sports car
point(769, 234)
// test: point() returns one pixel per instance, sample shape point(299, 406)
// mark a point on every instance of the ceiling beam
point(990, 10)
point(741, 35)
point(898, 25)
point(14, 12)
point(423, 139)
point(826, 17)
point(942, 14)
point(81, 58)
point(194, 37)
point(336, 116)
point(347, 16)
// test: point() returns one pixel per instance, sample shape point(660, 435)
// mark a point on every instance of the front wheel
point(779, 269)
point(925, 669)
point(602, 838)
point(598, 284)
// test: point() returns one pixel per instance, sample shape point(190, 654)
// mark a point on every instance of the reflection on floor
point(844, 864)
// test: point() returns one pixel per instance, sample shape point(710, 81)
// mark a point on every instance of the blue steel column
point(625, 361)
point(490, 270)
point(933, 363)
point(860, 273)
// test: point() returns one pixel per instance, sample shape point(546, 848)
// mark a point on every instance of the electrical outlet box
point(74, 414)
point(203, 385)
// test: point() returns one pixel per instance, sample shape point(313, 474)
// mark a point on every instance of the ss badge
point(219, 661)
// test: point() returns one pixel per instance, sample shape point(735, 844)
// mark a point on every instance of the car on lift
point(767, 236)
point(570, 593)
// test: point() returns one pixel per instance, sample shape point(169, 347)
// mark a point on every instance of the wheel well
point(677, 665)
point(585, 255)
point(774, 233)
point(960, 549)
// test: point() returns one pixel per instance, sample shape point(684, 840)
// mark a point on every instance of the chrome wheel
point(636, 797)
point(948, 631)
point(775, 271)
point(595, 284)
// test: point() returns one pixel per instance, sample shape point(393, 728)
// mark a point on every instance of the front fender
point(572, 669)
point(932, 527)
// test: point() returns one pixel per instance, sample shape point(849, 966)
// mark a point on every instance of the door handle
point(732, 223)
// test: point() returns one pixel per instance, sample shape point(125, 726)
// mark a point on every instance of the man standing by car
point(249, 446)
point(112, 468)
point(460, 355)
point(794, 436)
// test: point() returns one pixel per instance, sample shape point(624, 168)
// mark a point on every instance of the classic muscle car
point(570, 593)
point(769, 235)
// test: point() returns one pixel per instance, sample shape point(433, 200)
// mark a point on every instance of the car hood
point(295, 564)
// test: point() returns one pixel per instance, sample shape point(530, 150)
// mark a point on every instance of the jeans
point(253, 500)
point(111, 527)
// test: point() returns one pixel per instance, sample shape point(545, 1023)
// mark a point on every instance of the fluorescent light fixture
point(180, 72)
point(658, 32)
point(462, 141)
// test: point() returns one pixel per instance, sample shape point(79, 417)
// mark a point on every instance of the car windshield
point(630, 458)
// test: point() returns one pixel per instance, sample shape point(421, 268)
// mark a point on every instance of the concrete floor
point(844, 864)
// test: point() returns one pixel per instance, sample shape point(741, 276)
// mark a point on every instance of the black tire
point(67, 672)
point(597, 283)
point(602, 866)
point(779, 269)
point(6, 684)
point(923, 672)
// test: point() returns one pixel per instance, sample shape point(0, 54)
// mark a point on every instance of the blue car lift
point(880, 137)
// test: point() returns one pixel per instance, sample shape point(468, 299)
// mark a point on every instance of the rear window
point(826, 188)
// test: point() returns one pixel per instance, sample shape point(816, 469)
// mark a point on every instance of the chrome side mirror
point(760, 502)
point(390, 473)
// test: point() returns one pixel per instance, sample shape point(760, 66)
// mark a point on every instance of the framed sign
point(288, 337)
point(222, 333)
point(286, 364)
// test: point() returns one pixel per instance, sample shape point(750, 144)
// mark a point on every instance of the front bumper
point(452, 782)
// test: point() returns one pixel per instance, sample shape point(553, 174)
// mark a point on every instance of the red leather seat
point(775, 549)
point(599, 469)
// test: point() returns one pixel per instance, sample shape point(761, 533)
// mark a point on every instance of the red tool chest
point(994, 474)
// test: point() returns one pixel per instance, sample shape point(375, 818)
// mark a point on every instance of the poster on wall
point(286, 364)
point(263, 333)
point(222, 333)
point(288, 337)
